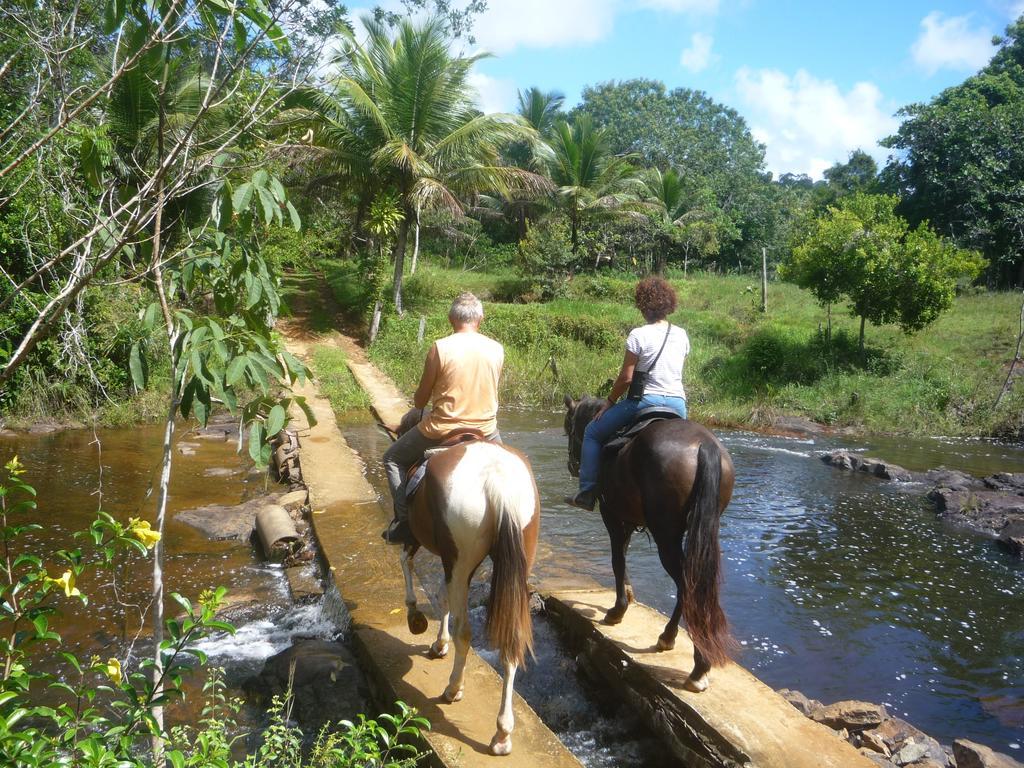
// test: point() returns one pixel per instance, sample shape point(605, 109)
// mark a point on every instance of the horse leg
point(458, 594)
point(501, 744)
point(623, 589)
point(413, 616)
point(670, 552)
point(671, 555)
point(700, 677)
point(440, 647)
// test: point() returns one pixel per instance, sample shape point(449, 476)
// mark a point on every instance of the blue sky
point(815, 79)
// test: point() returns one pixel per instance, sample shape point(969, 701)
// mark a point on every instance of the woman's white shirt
point(666, 378)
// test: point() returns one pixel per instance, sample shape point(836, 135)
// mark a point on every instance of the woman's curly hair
point(655, 298)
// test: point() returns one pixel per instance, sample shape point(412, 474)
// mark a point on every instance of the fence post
point(764, 279)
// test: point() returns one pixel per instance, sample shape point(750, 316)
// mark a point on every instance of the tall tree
point(858, 174)
point(708, 144)
point(400, 114)
point(591, 180)
point(961, 161)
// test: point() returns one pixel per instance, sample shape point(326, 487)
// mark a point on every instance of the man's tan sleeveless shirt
point(465, 394)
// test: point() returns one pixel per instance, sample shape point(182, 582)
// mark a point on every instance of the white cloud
point(951, 43)
point(496, 94)
point(510, 24)
point(681, 6)
point(808, 124)
point(697, 57)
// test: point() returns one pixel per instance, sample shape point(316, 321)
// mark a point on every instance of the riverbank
point(774, 373)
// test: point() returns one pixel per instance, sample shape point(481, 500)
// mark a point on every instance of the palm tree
point(591, 180)
point(400, 115)
point(693, 215)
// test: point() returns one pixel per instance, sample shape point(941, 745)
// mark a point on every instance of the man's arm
point(422, 397)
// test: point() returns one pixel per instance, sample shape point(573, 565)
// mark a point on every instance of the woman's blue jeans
point(598, 432)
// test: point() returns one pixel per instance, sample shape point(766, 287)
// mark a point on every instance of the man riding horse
point(460, 381)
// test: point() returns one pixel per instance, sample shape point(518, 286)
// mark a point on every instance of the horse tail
point(509, 624)
point(705, 619)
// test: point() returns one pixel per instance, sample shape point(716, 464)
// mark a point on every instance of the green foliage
point(399, 118)
point(708, 144)
point(546, 252)
point(961, 160)
point(224, 350)
point(592, 180)
point(99, 712)
point(863, 251)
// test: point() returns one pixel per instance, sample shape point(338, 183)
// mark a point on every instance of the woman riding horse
point(673, 478)
point(654, 352)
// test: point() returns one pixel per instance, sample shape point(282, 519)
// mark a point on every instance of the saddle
point(416, 473)
point(643, 419)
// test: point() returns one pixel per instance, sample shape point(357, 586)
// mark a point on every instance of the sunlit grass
point(941, 380)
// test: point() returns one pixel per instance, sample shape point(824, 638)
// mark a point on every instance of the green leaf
point(222, 206)
point(275, 420)
point(296, 221)
point(256, 441)
point(278, 190)
point(137, 366)
point(236, 369)
point(269, 205)
point(149, 319)
point(241, 35)
point(260, 178)
point(242, 197)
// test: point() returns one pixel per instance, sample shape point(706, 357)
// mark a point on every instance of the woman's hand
point(600, 411)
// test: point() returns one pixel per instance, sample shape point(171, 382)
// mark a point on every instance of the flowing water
point(77, 472)
point(837, 584)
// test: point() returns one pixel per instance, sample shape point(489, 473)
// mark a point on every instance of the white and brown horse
point(477, 499)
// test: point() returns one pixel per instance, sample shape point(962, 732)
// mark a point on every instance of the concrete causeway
point(738, 721)
point(347, 520)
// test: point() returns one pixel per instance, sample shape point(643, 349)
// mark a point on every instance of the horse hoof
point(666, 644)
point(439, 650)
point(698, 685)
point(614, 616)
point(417, 622)
point(630, 596)
point(452, 696)
point(501, 744)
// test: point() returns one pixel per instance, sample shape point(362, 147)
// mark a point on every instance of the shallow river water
point(837, 584)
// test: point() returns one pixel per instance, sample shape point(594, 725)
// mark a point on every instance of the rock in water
point(971, 755)
point(851, 715)
point(327, 685)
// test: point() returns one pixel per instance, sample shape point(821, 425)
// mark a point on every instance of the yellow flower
point(67, 583)
point(14, 467)
point(141, 530)
point(113, 670)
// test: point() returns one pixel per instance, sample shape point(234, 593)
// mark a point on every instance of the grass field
point(746, 368)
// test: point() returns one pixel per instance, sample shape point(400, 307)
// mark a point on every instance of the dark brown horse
point(477, 499)
point(674, 479)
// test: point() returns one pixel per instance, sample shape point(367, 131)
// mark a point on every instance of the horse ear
point(569, 402)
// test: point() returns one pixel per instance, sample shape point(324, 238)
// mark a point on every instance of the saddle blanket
point(418, 471)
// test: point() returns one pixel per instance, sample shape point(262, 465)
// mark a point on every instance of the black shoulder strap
point(664, 341)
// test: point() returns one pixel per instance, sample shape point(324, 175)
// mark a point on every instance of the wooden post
point(420, 332)
point(764, 279)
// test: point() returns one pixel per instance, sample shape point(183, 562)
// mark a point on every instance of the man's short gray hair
point(466, 309)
